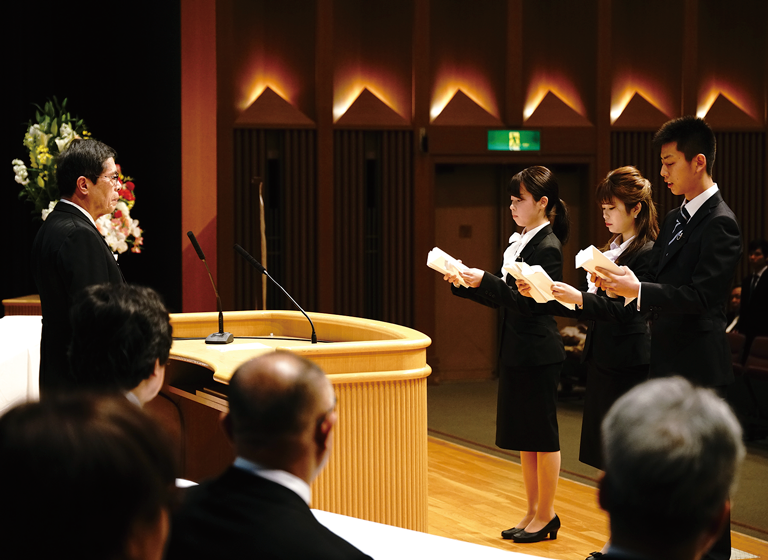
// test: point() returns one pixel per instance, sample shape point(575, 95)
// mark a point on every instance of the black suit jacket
point(753, 314)
point(241, 515)
point(627, 342)
point(526, 340)
point(686, 292)
point(68, 255)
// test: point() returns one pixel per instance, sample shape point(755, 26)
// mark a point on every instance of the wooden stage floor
point(473, 496)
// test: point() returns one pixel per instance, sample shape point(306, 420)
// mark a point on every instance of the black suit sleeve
point(711, 277)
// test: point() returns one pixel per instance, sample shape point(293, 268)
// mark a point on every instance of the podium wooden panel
point(378, 465)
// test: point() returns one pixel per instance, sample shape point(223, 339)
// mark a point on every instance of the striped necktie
point(682, 219)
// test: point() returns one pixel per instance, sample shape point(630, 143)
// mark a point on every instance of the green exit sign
point(514, 140)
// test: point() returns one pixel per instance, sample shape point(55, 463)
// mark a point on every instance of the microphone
point(220, 337)
point(257, 265)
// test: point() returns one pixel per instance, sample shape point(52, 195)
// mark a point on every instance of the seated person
point(672, 453)
point(84, 476)
point(281, 413)
point(121, 340)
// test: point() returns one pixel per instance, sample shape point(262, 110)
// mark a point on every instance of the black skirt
point(604, 387)
point(526, 411)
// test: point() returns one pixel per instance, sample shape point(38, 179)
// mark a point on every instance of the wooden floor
point(474, 496)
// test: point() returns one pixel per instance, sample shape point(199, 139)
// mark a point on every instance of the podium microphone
point(257, 265)
point(220, 337)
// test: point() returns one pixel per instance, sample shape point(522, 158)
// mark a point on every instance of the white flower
point(122, 207)
point(48, 210)
point(21, 172)
point(65, 138)
point(135, 229)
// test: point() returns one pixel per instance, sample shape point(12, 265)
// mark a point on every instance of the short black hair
point(756, 244)
point(80, 473)
point(692, 136)
point(119, 331)
point(83, 158)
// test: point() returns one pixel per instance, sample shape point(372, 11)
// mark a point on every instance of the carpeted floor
point(465, 413)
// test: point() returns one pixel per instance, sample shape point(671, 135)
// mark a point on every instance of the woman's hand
point(566, 293)
point(472, 277)
point(524, 288)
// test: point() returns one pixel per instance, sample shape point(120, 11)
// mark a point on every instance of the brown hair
point(629, 186)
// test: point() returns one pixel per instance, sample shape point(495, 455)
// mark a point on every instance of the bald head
point(276, 397)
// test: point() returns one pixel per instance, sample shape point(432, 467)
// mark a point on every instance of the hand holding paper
point(624, 283)
point(593, 261)
point(439, 260)
point(537, 278)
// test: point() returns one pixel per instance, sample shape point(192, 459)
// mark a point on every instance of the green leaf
point(54, 128)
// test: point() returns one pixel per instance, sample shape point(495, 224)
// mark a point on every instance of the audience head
point(757, 250)
point(628, 186)
point(735, 302)
point(86, 477)
point(692, 136)
point(83, 158)
point(672, 453)
point(121, 339)
point(541, 182)
point(281, 412)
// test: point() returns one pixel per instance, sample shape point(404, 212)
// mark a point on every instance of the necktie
point(682, 219)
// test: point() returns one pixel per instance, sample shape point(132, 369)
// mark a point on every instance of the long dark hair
point(540, 181)
point(629, 186)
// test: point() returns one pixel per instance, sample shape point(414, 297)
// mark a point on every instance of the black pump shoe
point(510, 533)
point(550, 529)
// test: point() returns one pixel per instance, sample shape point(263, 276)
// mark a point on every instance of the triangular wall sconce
point(462, 111)
point(271, 109)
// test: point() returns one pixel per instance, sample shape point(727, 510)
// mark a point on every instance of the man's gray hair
point(672, 453)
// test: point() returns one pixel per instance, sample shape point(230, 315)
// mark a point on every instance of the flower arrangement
point(51, 134)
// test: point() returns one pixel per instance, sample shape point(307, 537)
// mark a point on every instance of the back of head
point(119, 331)
point(672, 453)
point(83, 158)
point(82, 476)
point(274, 398)
point(539, 182)
point(629, 186)
point(691, 135)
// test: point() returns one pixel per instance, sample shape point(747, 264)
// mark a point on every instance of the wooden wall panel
point(726, 65)
point(653, 70)
point(560, 50)
point(366, 53)
point(468, 45)
point(274, 46)
point(374, 241)
point(285, 162)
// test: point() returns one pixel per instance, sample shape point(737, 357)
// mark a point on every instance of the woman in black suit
point(531, 353)
point(617, 354)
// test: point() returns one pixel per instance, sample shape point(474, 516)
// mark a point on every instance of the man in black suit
point(693, 260)
point(753, 312)
point(280, 421)
point(672, 454)
point(69, 253)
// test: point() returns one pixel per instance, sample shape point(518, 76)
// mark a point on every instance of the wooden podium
point(378, 465)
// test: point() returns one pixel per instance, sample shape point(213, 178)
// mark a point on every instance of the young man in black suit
point(753, 313)
point(686, 289)
point(69, 253)
point(280, 421)
point(672, 454)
